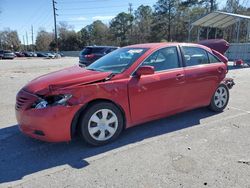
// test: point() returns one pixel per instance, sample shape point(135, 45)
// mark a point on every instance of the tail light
point(89, 56)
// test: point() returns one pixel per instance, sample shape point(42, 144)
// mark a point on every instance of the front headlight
point(52, 101)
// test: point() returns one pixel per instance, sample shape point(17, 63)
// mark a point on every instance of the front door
point(151, 96)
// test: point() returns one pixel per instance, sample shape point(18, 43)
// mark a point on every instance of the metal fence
point(71, 53)
point(238, 51)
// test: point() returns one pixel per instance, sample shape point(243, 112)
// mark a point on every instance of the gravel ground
point(198, 148)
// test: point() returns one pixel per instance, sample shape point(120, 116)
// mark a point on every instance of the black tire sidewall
point(213, 105)
point(84, 119)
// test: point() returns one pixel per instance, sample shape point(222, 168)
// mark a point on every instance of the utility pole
point(54, 12)
point(32, 37)
point(27, 40)
point(211, 5)
point(24, 47)
point(130, 9)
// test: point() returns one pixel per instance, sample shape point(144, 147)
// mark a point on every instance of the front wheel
point(220, 99)
point(102, 123)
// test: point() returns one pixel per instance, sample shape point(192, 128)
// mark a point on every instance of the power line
point(87, 1)
point(93, 8)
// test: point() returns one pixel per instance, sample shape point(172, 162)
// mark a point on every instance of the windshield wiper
point(94, 69)
point(110, 76)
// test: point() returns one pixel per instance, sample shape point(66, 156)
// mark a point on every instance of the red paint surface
point(142, 98)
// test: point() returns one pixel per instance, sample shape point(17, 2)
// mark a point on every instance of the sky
point(21, 15)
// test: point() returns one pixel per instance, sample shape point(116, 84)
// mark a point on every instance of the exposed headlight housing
point(52, 101)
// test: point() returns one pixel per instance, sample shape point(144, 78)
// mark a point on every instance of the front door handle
point(179, 76)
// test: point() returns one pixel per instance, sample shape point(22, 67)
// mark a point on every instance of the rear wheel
point(102, 123)
point(220, 99)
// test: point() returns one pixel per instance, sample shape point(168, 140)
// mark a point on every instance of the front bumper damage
point(52, 124)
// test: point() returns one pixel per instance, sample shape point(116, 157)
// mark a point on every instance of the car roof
point(165, 44)
point(101, 47)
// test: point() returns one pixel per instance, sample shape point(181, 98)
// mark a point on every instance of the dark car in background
point(91, 53)
point(7, 54)
point(19, 54)
point(1, 54)
point(41, 54)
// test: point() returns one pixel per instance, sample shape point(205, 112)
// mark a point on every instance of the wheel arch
point(75, 122)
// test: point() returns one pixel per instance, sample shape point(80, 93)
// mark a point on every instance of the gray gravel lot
point(198, 148)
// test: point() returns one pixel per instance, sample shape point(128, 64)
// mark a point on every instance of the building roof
point(219, 19)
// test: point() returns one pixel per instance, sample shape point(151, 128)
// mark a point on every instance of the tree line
point(167, 20)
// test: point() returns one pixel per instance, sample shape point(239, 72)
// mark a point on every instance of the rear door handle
point(220, 70)
point(179, 76)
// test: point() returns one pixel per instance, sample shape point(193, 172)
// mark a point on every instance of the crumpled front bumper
point(52, 124)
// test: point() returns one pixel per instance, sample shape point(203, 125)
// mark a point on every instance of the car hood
point(64, 78)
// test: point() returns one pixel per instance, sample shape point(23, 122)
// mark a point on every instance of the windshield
point(118, 60)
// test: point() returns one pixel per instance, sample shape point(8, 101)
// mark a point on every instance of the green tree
point(143, 22)
point(120, 28)
point(43, 40)
point(84, 37)
point(97, 32)
point(68, 39)
point(9, 40)
point(165, 12)
point(210, 5)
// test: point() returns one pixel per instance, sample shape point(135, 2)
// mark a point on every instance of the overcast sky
point(21, 14)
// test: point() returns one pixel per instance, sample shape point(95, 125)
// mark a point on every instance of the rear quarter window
point(213, 58)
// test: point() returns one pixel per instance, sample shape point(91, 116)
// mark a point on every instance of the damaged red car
point(127, 87)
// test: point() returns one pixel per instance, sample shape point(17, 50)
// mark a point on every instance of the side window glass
point(213, 59)
point(195, 56)
point(163, 59)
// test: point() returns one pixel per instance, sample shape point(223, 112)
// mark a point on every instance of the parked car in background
point(91, 53)
point(7, 54)
point(50, 55)
point(127, 87)
point(28, 54)
point(41, 54)
point(19, 54)
point(1, 54)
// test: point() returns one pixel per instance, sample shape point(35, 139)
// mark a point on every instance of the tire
point(99, 130)
point(220, 99)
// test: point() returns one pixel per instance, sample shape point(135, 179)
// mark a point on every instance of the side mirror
point(145, 70)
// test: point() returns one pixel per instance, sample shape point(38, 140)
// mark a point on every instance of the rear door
point(161, 93)
point(203, 73)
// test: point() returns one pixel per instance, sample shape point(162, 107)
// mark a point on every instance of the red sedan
point(129, 86)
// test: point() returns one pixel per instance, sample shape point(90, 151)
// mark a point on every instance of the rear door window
point(195, 56)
